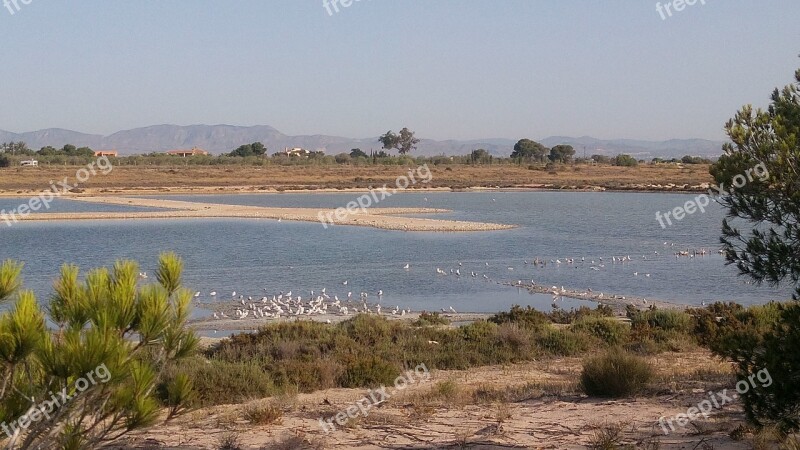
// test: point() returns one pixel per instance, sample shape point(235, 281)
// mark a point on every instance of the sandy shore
point(545, 410)
point(383, 218)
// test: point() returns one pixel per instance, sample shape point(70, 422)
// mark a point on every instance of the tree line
point(404, 142)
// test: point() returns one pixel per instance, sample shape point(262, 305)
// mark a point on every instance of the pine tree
point(84, 371)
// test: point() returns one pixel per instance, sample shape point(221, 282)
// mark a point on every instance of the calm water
point(249, 256)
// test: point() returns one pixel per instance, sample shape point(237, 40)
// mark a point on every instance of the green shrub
point(478, 331)
point(615, 374)
point(219, 382)
point(707, 320)
point(727, 329)
point(370, 330)
point(366, 351)
point(368, 371)
point(767, 357)
point(558, 315)
point(525, 317)
point(563, 342)
point(610, 331)
point(663, 319)
point(426, 319)
point(308, 376)
point(655, 331)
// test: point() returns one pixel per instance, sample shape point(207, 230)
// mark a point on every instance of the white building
point(29, 163)
point(297, 151)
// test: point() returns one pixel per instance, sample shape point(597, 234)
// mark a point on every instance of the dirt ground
point(459, 409)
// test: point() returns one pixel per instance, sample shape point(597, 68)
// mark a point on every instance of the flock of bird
point(288, 304)
point(559, 293)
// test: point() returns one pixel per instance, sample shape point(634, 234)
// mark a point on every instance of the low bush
point(563, 342)
point(261, 413)
point(559, 315)
point(427, 319)
point(615, 374)
point(608, 330)
point(527, 317)
point(220, 382)
point(663, 319)
point(369, 371)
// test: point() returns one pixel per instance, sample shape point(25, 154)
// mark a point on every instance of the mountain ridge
point(223, 138)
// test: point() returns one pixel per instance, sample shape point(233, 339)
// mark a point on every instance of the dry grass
point(608, 437)
point(485, 394)
point(259, 179)
point(262, 413)
point(229, 441)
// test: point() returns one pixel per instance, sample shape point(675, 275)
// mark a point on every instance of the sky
point(447, 69)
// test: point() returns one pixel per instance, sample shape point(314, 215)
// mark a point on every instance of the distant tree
point(358, 153)
point(342, 158)
point(15, 148)
point(407, 141)
point(84, 151)
point(562, 153)
point(403, 142)
point(379, 154)
point(480, 156)
point(389, 140)
point(695, 160)
point(47, 151)
point(602, 159)
point(526, 149)
point(625, 161)
point(254, 149)
point(4, 160)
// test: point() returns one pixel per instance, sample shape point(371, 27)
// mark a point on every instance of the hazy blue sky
point(458, 69)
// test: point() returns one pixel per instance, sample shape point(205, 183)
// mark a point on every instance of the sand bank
point(616, 301)
point(383, 218)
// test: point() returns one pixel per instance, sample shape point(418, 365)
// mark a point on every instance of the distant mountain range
point(224, 138)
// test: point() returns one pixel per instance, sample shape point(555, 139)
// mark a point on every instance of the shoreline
point(227, 308)
point(255, 190)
